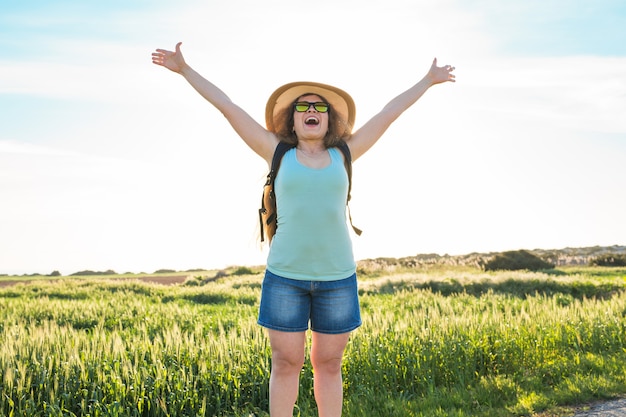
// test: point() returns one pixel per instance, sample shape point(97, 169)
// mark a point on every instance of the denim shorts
point(288, 305)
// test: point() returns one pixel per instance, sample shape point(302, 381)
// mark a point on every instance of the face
point(310, 124)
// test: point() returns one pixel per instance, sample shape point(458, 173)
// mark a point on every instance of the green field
point(438, 342)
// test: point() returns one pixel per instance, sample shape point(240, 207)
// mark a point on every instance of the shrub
point(609, 260)
point(517, 260)
point(90, 273)
point(242, 270)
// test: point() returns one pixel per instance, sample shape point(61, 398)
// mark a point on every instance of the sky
point(108, 161)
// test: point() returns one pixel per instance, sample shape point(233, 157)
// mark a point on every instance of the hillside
point(559, 257)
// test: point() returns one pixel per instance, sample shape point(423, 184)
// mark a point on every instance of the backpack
point(267, 212)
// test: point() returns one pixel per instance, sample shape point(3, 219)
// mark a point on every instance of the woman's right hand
point(174, 61)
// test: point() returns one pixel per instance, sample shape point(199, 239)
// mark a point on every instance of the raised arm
point(364, 138)
point(256, 136)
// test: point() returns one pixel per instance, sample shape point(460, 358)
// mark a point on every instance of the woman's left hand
point(440, 74)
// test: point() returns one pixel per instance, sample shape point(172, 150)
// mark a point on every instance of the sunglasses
point(302, 106)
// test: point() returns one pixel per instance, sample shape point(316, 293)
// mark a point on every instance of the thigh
point(328, 348)
point(285, 304)
point(335, 306)
point(287, 346)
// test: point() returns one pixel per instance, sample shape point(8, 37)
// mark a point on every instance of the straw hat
point(340, 102)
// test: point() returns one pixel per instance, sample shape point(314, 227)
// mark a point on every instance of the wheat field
point(433, 343)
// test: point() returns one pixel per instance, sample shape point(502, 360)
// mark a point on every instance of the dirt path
point(616, 408)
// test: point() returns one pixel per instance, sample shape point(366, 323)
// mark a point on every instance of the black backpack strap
point(279, 152)
point(343, 146)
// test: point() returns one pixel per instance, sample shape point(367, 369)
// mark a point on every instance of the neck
point(311, 146)
point(311, 150)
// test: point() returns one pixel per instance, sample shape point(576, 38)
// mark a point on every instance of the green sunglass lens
point(304, 106)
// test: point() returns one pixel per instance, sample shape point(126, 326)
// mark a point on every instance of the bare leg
point(287, 362)
point(326, 356)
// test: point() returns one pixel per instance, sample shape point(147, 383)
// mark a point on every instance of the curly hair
point(338, 129)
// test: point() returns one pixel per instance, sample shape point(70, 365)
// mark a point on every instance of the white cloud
point(16, 147)
point(572, 93)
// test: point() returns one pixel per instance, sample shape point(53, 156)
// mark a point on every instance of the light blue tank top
point(312, 241)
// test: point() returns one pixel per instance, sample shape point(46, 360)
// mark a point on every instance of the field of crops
point(437, 343)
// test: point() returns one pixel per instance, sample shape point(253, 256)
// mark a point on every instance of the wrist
point(427, 81)
point(185, 70)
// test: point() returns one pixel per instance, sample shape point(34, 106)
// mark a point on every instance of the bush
point(89, 273)
point(517, 260)
point(609, 260)
point(242, 270)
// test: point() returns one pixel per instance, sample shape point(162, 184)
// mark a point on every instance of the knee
point(287, 362)
point(327, 365)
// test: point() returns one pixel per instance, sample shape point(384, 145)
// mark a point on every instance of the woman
point(311, 272)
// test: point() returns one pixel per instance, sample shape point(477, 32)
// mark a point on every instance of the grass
point(441, 342)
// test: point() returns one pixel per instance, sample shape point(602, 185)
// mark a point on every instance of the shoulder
point(343, 149)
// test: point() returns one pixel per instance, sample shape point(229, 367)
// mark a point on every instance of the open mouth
point(311, 121)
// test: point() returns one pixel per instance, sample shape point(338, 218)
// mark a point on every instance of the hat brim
point(340, 102)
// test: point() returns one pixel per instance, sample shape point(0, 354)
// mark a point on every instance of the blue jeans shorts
point(288, 305)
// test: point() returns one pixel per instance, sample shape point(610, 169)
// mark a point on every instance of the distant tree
point(89, 273)
point(55, 274)
point(164, 271)
point(609, 260)
point(517, 260)
point(85, 272)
